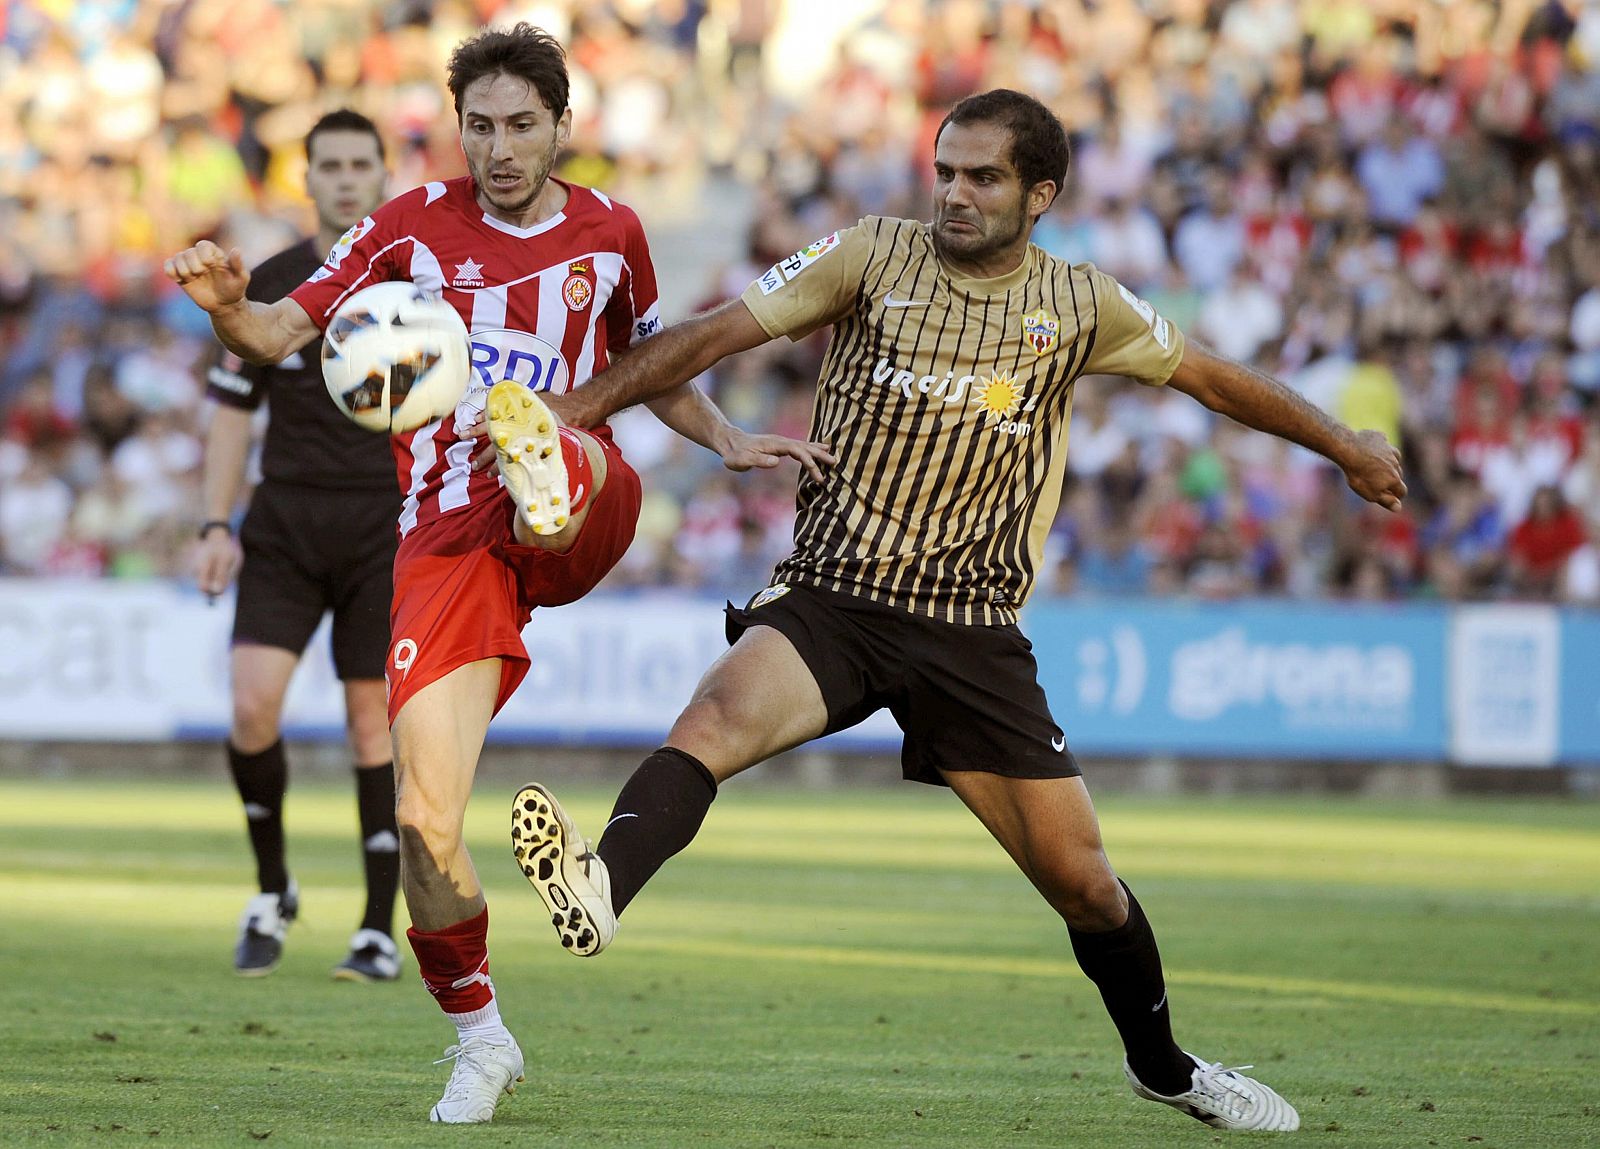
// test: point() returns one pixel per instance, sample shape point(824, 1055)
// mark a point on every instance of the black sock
point(1125, 966)
point(262, 779)
point(657, 814)
point(380, 844)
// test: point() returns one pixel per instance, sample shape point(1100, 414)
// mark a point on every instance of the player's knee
point(597, 461)
point(1086, 893)
point(429, 833)
point(368, 735)
point(713, 728)
point(255, 720)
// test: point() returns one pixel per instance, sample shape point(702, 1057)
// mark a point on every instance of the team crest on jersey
point(771, 594)
point(468, 274)
point(577, 290)
point(1040, 329)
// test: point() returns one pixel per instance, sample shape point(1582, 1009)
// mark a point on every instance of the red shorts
point(464, 587)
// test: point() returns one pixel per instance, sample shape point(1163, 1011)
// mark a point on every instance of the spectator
point(1411, 181)
point(1399, 172)
point(1209, 242)
point(1542, 543)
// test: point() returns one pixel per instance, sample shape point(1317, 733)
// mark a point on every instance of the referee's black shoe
point(373, 956)
point(265, 920)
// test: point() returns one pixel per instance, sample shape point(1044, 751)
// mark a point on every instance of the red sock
point(580, 476)
point(454, 963)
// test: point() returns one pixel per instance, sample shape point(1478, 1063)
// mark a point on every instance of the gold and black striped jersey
point(946, 401)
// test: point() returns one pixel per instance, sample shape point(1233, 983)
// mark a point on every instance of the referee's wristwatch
point(214, 524)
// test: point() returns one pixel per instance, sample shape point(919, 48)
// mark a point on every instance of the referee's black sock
point(380, 844)
point(657, 814)
point(262, 779)
point(1125, 966)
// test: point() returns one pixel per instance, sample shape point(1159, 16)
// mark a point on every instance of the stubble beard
point(537, 178)
point(978, 245)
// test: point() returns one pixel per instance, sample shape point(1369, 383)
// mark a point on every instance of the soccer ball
point(395, 358)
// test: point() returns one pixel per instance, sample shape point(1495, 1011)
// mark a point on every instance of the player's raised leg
point(552, 472)
point(757, 700)
point(260, 678)
point(1049, 828)
point(373, 954)
point(438, 735)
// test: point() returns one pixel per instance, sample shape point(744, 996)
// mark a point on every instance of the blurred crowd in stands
point(1394, 205)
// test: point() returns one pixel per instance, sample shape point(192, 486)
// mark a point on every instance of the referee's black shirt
point(308, 442)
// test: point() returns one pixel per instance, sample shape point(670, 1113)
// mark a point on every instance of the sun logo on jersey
point(998, 397)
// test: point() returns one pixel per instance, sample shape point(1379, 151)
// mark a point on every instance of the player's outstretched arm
point(1371, 465)
point(692, 414)
point(661, 364)
point(256, 332)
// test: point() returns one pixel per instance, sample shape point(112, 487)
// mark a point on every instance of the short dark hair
point(526, 52)
point(1039, 148)
point(344, 120)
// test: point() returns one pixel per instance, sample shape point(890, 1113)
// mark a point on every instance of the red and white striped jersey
point(546, 305)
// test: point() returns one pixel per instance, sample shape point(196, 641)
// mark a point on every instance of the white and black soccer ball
point(395, 358)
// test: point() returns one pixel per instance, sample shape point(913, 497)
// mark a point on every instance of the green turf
point(855, 968)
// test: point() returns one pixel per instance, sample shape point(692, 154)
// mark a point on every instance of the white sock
point(484, 1023)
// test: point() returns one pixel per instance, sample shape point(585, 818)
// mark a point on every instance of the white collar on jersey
point(525, 232)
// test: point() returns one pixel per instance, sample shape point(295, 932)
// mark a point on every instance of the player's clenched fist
point(213, 278)
point(1374, 472)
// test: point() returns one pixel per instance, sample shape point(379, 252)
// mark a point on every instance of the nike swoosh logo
point(1058, 744)
point(890, 301)
point(1156, 1008)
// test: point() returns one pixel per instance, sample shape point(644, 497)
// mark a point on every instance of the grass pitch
point(857, 968)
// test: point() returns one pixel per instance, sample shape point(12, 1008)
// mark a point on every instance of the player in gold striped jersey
point(944, 397)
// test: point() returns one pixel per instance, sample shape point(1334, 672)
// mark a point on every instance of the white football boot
point(483, 1071)
point(527, 439)
point(569, 877)
point(1226, 1099)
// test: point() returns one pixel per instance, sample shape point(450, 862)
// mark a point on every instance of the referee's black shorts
point(967, 697)
point(309, 550)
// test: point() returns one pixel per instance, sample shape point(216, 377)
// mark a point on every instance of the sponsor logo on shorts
point(771, 594)
point(1058, 744)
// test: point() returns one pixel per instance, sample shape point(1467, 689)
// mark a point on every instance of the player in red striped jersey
point(555, 282)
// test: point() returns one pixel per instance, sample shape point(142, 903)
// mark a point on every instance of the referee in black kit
point(945, 395)
point(319, 536)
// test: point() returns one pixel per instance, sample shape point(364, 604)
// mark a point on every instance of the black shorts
point(967, 697)
point(309, 550)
